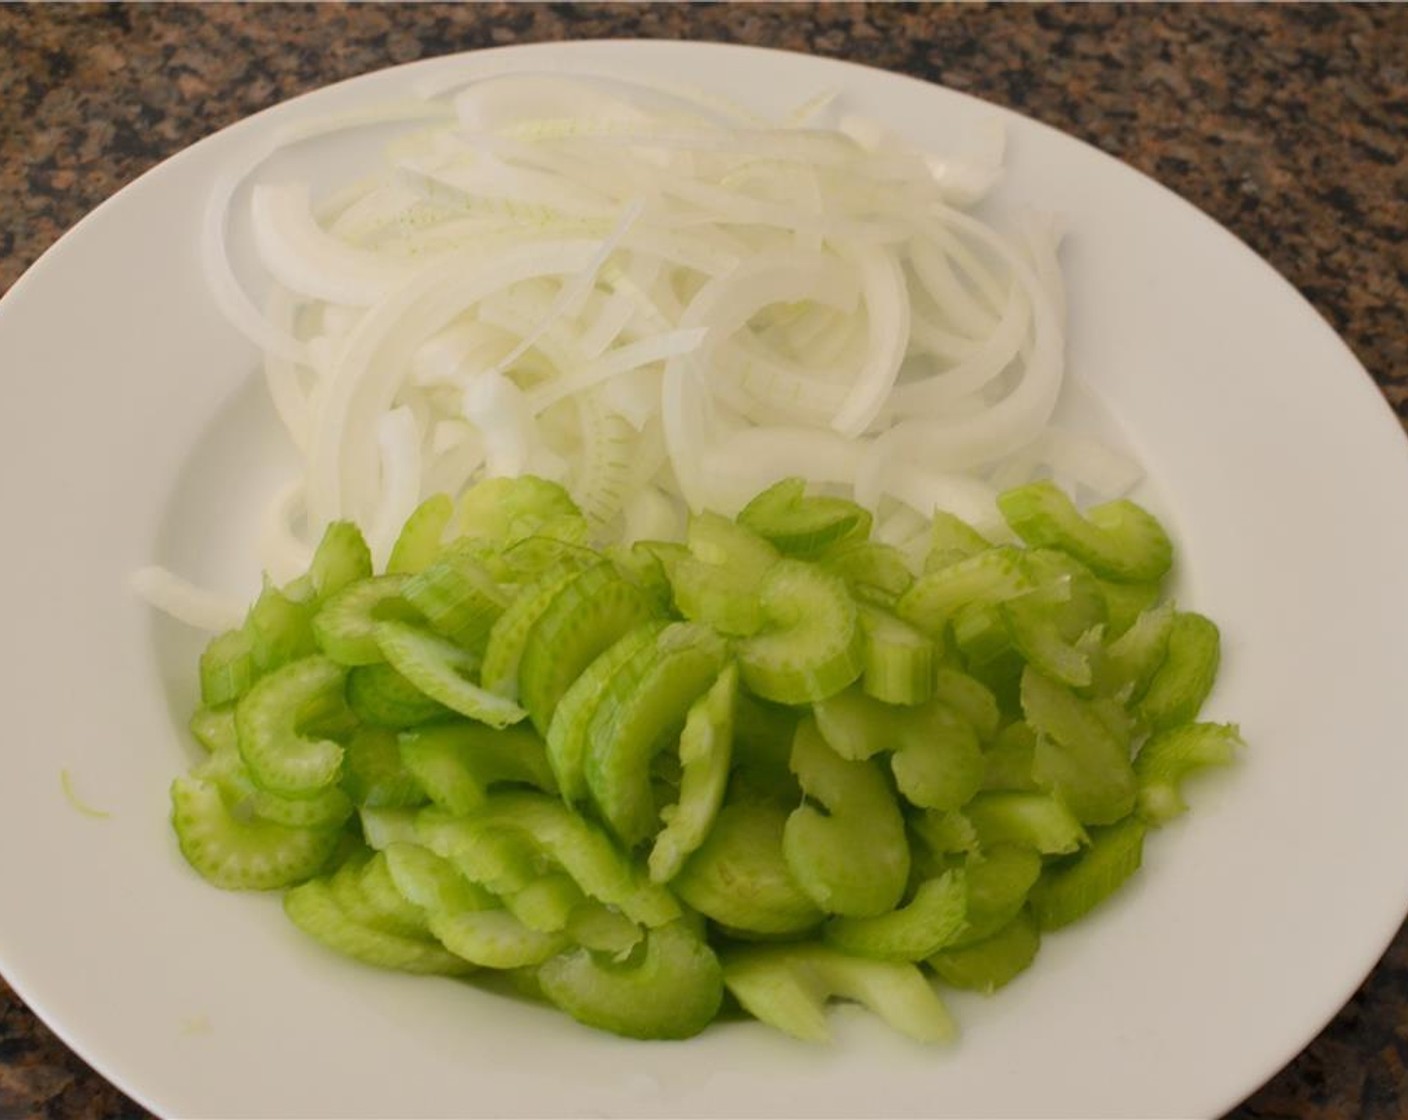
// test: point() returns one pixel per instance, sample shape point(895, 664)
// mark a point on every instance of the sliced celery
point(457, 763)
point(1185, 678)
point(547, 903)
point(269, 723)
point(280, 629)
point(810, 646)
point(380, 696)
point(999, 880)
point(1170, 756)
point(1119, 540)
point(432, 882)
point(373, 774)
point(846, 844)
point(876, 573)
point(367, 894)
point(898, 660)
point(933, 918)
point(670, 988)
point(438, 668)
point(457, 596)
point(944, 833)
point(987, 965)
point(1126, 665)
point(508, 510)
point(495, 939)
point(970, 698)
point(803, 525)
point(344, 627)
point(984, 578)
point(419, 540)
point(1010, 757)
point(1071, 890)
point(1037, 820)
point(1078, 754)
point(214, 728)
point(718, 595)
point(952, 539)
point(227, 668)
point(504, 650)
point(341, 558)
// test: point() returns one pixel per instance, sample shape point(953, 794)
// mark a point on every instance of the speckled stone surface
point(1288, 124)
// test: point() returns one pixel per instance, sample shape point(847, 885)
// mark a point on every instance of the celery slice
point(999, 880)
point(214, 728)
point(584, 618)
point(801, 525)
point(504, 650)
point(984, 578)
point(242, 855)
point(438, 669)
point(571, 721)
point(1037, 820)
point(944, 833)
point(457, 596)
point(432, 882)
point(810, 647)
point(846, 844)
point(715, 540)
point(1185, 678)
point(269, 721)
point(1171, 755)
point(876, 573)
point(933, 918)
point(603, 930)
point(1078, 754)
point(647, 710)
point(717, 595)
point(457, 763)
point(419, 540)
point(373, 774)
point(227, 668)
point(1066, 892)
point(1127, 664)
point(1125, 602)
point(312, 907)
point(344, 627)
point(1010, 758)
point(547, 903)
point(987, 965)
point(787, 986)
point(898, 660)
point(1119, 540)
point(670, 988)
point(952, 539)
point(380, 696)
point(507, 510)
point(495, 939)
point(706, 749)
point(367, 895)
point(970, 698)
point(280, 629)
point(739, 877)
point(341, 558)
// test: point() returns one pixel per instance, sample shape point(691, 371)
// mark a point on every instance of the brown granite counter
point(1288, 124)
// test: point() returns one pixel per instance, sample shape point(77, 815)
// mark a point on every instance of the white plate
point(134, 430)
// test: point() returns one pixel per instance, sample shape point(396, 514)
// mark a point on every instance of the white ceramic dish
point(135, 430)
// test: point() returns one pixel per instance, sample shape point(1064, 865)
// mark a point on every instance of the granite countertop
point(1288, 124)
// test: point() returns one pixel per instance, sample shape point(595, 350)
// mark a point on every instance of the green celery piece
point(672, 987)
point(508, 510)
point(314, 909)
point(1010, 758)
point(438, 668)
point(936, 916)
point(366, 893)
point(714, 539)
point(1071, 595)
point(952, 539)
point(1068, 891)
point(373, 774)
point(214, 728)
point(419, 540)
point(341, 558)
point(344, 627)
point(280, 629)
point(981, 634)
point(706, 750)
point(986, 578)
point(457, 763)
point(1078, 754)
point(738, 877)
point(1126, 665)
point(970, 698)
point(381, 697)
point(876, 573)
point(1118, 540)
point(944, 833)
point(898, 660)
point(1125, 602)
point(800, 525)
point(586, 616)
point(717, 595)
point(1036, 633)
point(269, 720)
point(787, 987)
point(227, 668)
point(603, 930)
point(504, 650)
point(571, 720)
point(643, 569)
point(547, 903)
point(495, 939)
point(810, 646)
point(1171, 755)
point(457, 596)
point(762, 747)
point(846, 844)
point(384, 826)
point(534, 556)
point(432, 882)
point(1037, 820)
point(501, 861)
point(649, 702)
point(999, 879)
point(987, 965)
point(1185, 678)
point(242, 855)
point(327, 808)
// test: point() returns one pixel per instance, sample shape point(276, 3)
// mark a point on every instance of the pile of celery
point(766, 767)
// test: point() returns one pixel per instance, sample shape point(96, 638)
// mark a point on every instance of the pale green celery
point(717, 595)
point(1125, 666)
point(344, 627)
point(367, 894)
point(643, 569)
point(456, 763)
point(800, 525)
point(788, 986)
point(810, 647)
point(952, 539)
point(986, 578)
point(714, 539)
point(432, 882)
point(269, 723)
point(649, 701)
point(227, 668)
point(987, 965)
point(876, 573)
point(1125, 602)
point(1036, 634)
point(457, 596)
point(504, 650)
point(706, 751)
point(944, 833)
point(383, 826)
point(1037, 820)
point(1185, 678)
point(671, 987)
point(381, 697)
point(586, 616)
point(312, 907)
point(739, 878)
point(508, 510)
point(898, 660)
point(846, 844)
point(1010, 758)
point(936, 916)
point(341, 558)
point(214, 728)
point(242, 854)
point(999, 879)
point(1172, 755)
point(547, 903)
point(762, 748)
point(373, 774)
point(439, 669)
point(420, 538)
point(280, 629)
point(1118, 540)
point(603, 930)
point(981, 634)
point(1079, 754)
point(495, 939)
point(571, 720)
point(1068, 891)
point(970, 698)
